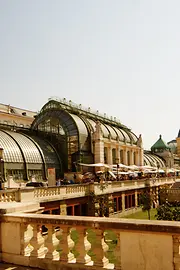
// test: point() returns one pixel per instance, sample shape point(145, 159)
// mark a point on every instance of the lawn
point(143, 215)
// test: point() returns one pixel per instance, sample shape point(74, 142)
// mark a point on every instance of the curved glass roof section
point(128, 139)
point(105, 131)
point(153, 160)
point(81, 118)
point(80, 124)
point(66, 121)
point(112, 132)
point(11, 151)
point(49, 153)
point(92, 123)
point(148, 161)
point(119, 133)
point(133, 136)
point(29, 149)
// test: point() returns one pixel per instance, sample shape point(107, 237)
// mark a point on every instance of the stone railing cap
point(96, 223)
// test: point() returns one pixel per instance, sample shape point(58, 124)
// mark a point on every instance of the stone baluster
point(117, 252)
point(40, 192)
point(80, 246)
point(51, 253)
point(35, 193)
point(64, 244)
point(98, 249)
point(34, 240)
point(25, 239)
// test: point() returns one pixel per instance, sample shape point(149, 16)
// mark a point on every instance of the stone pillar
point(125, 156)
point(131, 157)
point(136, 198)
point(137, 158)
point(123, 202)
point(110, 155)
point(118, 153)
point(141, 151)
point(141, 157)
point(98, 145)
point(63, 209)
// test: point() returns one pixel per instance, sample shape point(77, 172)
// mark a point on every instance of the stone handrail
point(48, 191)
point(78, 190)
point(66, 242)
point(111, 187)
point(8, 195)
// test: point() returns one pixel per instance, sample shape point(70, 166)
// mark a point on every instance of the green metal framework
point(77, 124)
point(26, 156)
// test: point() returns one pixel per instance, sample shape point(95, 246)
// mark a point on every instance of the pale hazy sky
point(121, 57)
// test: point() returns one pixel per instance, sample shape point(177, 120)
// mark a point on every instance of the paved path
point(4, 266)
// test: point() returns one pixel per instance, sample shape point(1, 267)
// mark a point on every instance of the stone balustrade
point(8, 195)
point(74, 191)
point(66, 242)
point(111, 187)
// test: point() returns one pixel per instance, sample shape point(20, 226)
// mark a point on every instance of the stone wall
point(51, 242)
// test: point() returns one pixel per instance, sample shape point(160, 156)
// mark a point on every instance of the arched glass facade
point(27, 157)
point(78, 125)
point(11, 151)
point(153, 160)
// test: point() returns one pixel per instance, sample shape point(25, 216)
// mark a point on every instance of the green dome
point(160, 145)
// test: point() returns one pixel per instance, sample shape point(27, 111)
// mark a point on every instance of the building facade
point(63, 135)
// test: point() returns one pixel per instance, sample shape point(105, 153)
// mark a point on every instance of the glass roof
point(126, 136)
point(29, 149)
point(152, 160)
point(65, 119)
point(11, 151)
point(48, 151)
point(133, 136)
point(156, 160)
point(120, 135)
point(112, 132)
point(146, 161)
point(92, 123)
point(105, 131)
point(76, 122)
point(80, 124)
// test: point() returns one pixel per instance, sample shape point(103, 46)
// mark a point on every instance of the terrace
point(75, 242)
point(64, 242)
point(78, 190)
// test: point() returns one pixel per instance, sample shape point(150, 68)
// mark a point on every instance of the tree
point(167, 212)
point(164, 212)
point(176, 214)
point(146, 202)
